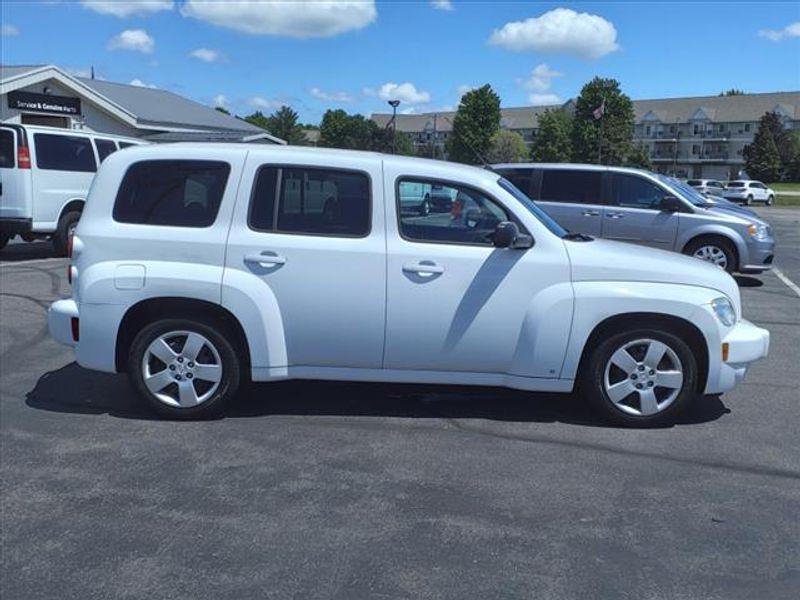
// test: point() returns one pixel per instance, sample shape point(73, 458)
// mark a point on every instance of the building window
point(747, 127)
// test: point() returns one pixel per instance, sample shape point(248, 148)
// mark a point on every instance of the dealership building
point(47, 95)
point(690, 137)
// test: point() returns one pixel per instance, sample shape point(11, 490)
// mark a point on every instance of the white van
point(45, 174)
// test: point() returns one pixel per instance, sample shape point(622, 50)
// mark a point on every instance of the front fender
point(685, 237)
point(597, 301)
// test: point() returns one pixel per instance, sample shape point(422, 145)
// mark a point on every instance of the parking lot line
point(792, 285)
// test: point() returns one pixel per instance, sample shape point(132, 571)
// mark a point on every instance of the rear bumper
point(15, 225)
point(746, 343)
point(59, 321)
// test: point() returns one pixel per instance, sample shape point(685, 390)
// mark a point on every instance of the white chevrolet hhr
point(195, 266)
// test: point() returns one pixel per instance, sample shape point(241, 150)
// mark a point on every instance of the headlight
point(759, 232)
point(724, 311)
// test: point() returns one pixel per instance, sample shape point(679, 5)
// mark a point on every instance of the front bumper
point(759, 256)
point(59, 321)
point(745, 343)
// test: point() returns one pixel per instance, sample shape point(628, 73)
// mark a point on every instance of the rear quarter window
point(179, 193)
point(571, 185)
point(64, 153)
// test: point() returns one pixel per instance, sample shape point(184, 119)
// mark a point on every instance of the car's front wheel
point(718, 252)
point(641, 378)
point(184, 369)
point(749, 200)
point(770, 200)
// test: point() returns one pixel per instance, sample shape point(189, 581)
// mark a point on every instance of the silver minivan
point(632, 205)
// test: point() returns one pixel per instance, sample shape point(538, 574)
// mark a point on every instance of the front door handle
point(615, 215)
point(265, 259)
point(423, 268)
point(590, 213)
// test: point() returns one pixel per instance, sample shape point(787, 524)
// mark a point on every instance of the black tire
point(228, 384)
point(4, 237)
point(724, 246)
point(66, 223)
point(424, 208)
point(593, 379)
point(770, 200)
point(748, 201)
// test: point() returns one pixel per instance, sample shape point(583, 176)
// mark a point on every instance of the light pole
point(394, 104)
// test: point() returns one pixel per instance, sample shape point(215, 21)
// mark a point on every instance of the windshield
point(532, 207)
point(686, 191)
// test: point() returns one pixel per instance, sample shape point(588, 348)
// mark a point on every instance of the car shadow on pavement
point(72, 389)
point(16, 252)
point(747, 282)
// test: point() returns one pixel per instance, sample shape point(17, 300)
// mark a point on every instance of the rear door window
point(571, 185)
point(104, 148)
point(180, 193)
point(311, 201)
point(64, 153)
point(521, 178)
point(632, 191)
point(8, 158)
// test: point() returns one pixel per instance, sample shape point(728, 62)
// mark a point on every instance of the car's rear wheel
point(425, 208)
point(4, 237)
point(641, 378)
point(66, 228)
point(184, 369)
point(718, 252)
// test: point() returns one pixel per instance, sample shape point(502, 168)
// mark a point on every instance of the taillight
point(76, 329)
point(69, 245)
point(23, 157)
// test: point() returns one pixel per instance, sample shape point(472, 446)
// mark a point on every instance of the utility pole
point(394, 104)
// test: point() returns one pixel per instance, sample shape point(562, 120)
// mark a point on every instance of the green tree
point(476, 121)
point(258, 119)
point(283, 124)
point(222, 109)
point(382, 141)
point(507, 147)
point(638, 158)
point(553, 142)
point(770, 154)
point(732, 92)
point(615, 125)
point(341, 130)
point(793, 167)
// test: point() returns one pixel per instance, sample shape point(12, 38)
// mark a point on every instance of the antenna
point(477, 154)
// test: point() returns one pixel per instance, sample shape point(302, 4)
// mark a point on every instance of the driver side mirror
point(670, 204)
point(507, 235)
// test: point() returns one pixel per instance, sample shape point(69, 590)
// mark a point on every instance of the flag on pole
point(600, 110)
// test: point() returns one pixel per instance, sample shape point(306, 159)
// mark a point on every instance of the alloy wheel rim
point(712, 254)
point(643, 377)
point(182, 369)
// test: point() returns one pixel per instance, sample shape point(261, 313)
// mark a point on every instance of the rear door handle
point(615, 215)
point(590, 213)
point(265, 259)
point(423, 268)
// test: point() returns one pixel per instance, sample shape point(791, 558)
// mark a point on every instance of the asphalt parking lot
point(328, 490)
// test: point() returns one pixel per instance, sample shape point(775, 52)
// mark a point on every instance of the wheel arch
point(151, 309)
point(685, 329)
point(713, 234)
point(75, 204)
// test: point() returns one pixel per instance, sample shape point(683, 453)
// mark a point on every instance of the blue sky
point(314, 56)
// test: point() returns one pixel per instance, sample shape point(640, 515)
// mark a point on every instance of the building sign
point(44, 103)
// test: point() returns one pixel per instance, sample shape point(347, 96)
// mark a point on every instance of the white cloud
point(464, 88)
point(298, 19)
point(139, 83)
point(8, 30)
point(541, 78)
point(264, 103)
point(560, 30)
point(222, 101)
point(776, 35)
point(207, 55)
point(544, 99)
point(405, 92)
point(137, 40)
point(330, 96)
point(442, 4)
point(408, 111)
point(127, 8)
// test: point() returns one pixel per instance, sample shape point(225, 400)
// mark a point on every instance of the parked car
point(196, 266)
point(46, 176)
point(631, 205)
point(747, 191)
point(707, 186)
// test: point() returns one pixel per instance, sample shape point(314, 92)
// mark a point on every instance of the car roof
point(580, 166)
point(63, 131)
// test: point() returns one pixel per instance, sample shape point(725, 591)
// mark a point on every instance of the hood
point(604, 260)
point(732, 207)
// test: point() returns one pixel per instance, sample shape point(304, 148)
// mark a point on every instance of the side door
point(455, 302)
point(15, 202)
point(309, 242)
point(759, 191)
point(574, 198)
point(634, 215)
point(64, 168)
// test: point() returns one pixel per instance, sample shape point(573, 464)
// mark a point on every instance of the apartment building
point(689, 137)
